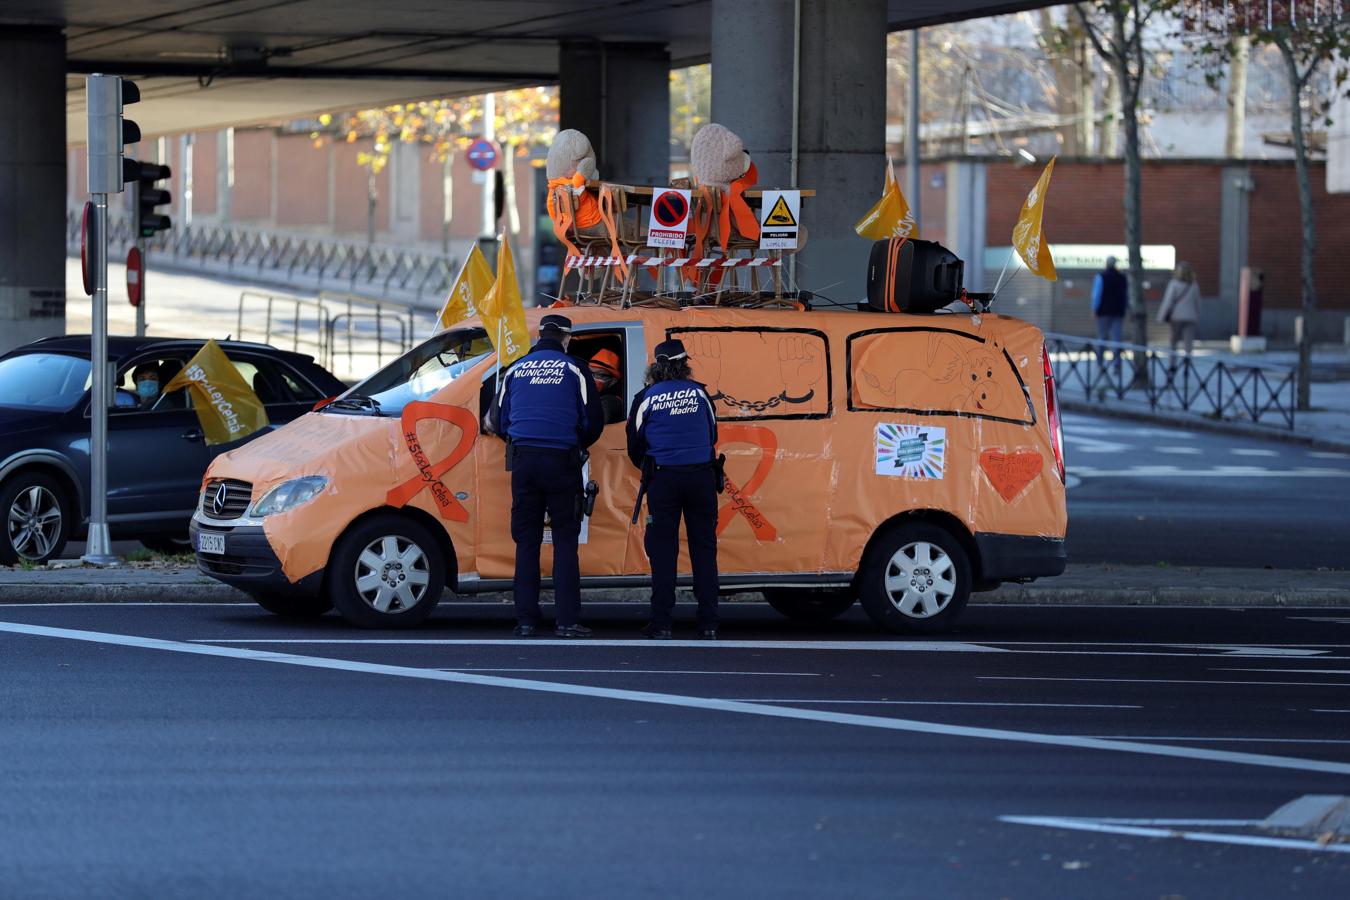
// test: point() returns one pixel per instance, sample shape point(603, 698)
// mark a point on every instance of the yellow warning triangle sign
point(781, 215)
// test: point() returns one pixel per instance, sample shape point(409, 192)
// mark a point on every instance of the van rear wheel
point(915, 577)
point(387, 572)
point(811, 604)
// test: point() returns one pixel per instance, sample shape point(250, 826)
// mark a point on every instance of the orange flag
point(889, 217)
point(1028, 236)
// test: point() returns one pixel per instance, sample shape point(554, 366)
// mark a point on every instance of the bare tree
point(1234, 145)
point(1116, 30)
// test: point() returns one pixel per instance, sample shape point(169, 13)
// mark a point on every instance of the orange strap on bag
point(746, 222)
point(607, 204)
point(561, 214)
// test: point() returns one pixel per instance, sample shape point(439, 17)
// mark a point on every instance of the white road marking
point(1164, 681)
point(677, 700)
point(1104, 825)
point(1071, 481)
point(1082, 444)
point(1330, 710)
point(1293, 671)
point(1180, 450)
point(1273, 651)
point(1328, 454)
point(1211, 823)
point(1252, 451)
point(1127, 431)
point(1223, 740)
point(898, 645)
point(1339, 620)
point(624, 671)
point(948, 703)
point(1214, 472)
point(129, 603)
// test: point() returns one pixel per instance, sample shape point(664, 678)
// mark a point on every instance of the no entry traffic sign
point(669, 221)
point(482, 154)
point(135, 275)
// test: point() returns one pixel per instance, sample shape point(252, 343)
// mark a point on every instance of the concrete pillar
point(618, 95)
point(841, 119)
point(966, 214)
point(32, 185)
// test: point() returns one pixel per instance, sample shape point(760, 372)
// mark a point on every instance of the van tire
point(386, 546)
point(912, 552)
point(811, 604)
point(292, 606)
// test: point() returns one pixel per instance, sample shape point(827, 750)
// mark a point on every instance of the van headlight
point(290, 494)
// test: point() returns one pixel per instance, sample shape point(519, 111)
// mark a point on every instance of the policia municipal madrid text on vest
point(672, 433)
point(547, 407)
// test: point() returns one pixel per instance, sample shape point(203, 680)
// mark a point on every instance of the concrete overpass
point(803, 81)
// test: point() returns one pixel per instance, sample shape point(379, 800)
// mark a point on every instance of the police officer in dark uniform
point(672, 433)
point(547, 408)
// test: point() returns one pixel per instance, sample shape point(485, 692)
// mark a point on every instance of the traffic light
point(106, 95)
point(145, 197)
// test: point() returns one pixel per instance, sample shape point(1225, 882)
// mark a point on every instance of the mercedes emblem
point(218, 501)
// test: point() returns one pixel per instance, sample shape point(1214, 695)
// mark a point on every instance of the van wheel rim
point(920, 580)
point(34, 523)
point(392, 574)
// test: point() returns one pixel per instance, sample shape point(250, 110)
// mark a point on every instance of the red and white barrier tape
point(599, 262)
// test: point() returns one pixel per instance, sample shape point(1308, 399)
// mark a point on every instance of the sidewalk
point(1081, 584)
point(1326, 426)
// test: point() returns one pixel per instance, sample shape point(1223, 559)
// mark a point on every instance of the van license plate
point(210, 543)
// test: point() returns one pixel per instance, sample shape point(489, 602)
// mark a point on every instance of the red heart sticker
point(1010, 473)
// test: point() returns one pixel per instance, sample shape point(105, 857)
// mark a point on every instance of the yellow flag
point(472, 285)
point(225, 403)
point(1028, 236)
point(503, 312)
point(889, 217)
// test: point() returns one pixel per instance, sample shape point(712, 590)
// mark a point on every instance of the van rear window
point(761, 373)
point(935, 371)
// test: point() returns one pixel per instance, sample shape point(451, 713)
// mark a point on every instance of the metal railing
point(291, 261)
point(346, 333)
point(1148, 377)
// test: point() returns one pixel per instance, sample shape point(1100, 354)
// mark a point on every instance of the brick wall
point(302, 181)
point(204, 172)
point(1181, 206)
point(251, 197)
point(350, 191)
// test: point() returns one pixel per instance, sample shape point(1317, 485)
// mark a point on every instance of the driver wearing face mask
point(146, 378)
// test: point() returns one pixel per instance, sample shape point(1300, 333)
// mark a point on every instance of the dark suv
point(156, 452)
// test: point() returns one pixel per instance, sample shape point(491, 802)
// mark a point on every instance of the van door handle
point(192, 434)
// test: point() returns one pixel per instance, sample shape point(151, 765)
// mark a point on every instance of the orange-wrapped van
point(901, 460)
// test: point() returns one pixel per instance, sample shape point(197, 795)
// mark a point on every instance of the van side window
point(935, 371)
point(762, 373)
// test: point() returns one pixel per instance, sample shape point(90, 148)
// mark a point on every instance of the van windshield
point(417, 374)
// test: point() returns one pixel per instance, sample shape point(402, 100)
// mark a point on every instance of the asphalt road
point(1146, 493)
point(216, 751)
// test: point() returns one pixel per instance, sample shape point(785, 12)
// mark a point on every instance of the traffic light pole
point(99, 549)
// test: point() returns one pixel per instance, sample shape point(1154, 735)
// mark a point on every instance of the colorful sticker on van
point(911, 451)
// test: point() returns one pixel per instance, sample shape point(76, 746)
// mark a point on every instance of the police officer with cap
point(548, 409)
point(672, 433)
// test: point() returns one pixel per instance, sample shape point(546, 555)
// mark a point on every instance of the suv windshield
point(43, 380)
point(417, 374)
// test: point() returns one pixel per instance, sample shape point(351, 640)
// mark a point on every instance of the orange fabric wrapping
point(587, 209)
point(735, 205)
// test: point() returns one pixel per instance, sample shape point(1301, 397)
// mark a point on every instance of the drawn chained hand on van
point(705, 353)
point(801, 367)
point(958, 375)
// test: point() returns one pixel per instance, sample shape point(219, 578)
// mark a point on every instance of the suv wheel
point(36, 519)
point(916, 577)
point(387, 572)
point(811, 604)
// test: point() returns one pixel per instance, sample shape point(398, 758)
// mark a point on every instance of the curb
point(1009, 595)
point(1201, 424)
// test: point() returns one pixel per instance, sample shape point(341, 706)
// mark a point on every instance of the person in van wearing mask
point(672, 436)
point(146, 379)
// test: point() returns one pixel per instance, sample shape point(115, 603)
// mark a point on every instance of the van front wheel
point(916, 577)
point(387, 572)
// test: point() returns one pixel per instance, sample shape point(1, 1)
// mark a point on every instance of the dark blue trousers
point(546, 481)
point(693, 494)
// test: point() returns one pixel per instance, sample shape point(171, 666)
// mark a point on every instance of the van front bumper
point(1013, 557)
point(248, 562)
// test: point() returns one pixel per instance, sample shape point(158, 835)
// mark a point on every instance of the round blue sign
point(482, 154)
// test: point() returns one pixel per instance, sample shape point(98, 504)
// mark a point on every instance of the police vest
point(543, 399)
point(675, 419)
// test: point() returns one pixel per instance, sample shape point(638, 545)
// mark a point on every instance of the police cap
point(668, 350)
point(553, 322)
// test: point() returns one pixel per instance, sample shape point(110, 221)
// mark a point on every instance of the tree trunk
point(447, 202)
point(1129, 109)
point(1110, 140)
point(1234, 143)
point(1085, 85)
point(1309, 224)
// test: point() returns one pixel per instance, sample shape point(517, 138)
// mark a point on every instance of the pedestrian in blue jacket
point(672, 436)
point(548, 409)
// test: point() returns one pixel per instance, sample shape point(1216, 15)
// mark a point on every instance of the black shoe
point(526, 630)
point(574, 631)
point(707, 634)
point(657, 634)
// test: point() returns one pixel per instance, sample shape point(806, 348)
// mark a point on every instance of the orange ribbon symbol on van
point(429, 474)
point(767, 442)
